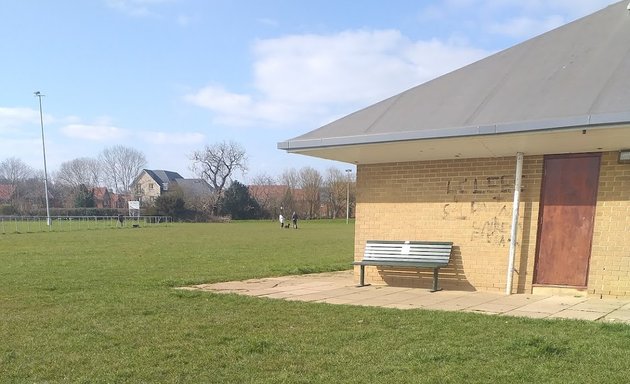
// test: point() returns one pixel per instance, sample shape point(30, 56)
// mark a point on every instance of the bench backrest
point(426, 252)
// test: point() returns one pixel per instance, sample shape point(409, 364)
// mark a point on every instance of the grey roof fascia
point(544, 125)
point(503, 128)
point(610, 118)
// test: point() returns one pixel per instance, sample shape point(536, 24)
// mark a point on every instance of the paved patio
point(339, 288)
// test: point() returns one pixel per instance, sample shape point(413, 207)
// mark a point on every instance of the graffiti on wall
point(490, 185)
point(487, 223)
point(493, 231)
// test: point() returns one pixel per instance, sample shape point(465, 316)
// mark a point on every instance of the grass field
point(99, 306)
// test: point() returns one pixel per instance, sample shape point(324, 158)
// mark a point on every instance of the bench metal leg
point(362, 277)
point(435, 280)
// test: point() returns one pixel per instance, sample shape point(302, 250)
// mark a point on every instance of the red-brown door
point(567, 216)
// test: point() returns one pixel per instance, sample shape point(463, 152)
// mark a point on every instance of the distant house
point(119, 201)
point(151, 184)
point(194, 188)
point(6, 191)
point(102, 197)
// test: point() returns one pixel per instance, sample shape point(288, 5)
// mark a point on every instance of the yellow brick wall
point(609, 271)
point(468, 202)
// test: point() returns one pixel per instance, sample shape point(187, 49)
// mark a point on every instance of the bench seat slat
point(410, 254)
point(400, 264)
point(408, 259)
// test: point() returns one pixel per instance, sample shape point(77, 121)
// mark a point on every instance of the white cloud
point(213, 97)
point(136, 8)
point(310, 78)
point(13, 118)
point(97, 132)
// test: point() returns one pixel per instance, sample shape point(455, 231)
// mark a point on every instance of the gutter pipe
point(517, 198)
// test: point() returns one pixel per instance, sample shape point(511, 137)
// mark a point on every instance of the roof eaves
point(606, 119)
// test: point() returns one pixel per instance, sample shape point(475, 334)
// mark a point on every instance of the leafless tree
point(15, 170)
point(264, 189)
point(311, 182)
point(217, 163)
point(290, 178)
point(336, 191)
point(120, 166)
point(16, 173)
point(84, 170)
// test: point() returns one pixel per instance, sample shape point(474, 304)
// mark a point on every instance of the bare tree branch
point(120, 166)
point(311, 182)
point(15, 170)
point(217, 163)
point(84, 170)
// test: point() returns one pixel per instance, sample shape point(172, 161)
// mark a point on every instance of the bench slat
point(374, 246)
point(446, 252)
point(410, 257)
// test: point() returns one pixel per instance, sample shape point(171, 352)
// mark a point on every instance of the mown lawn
point(99, 306)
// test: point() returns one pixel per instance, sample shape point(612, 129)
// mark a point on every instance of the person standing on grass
point(281, 221)
point(294, 219)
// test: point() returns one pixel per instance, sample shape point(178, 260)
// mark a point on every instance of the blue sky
point(169, 76)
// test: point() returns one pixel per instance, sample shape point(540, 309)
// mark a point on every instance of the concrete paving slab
point(493, 307)
point(335, 300)
point(337, 292)
point(529, 314)
point(365, 294)
point(402, 297)
point(552, 304)
point(291, 293)
point(618, 316)
point(518, 299)
point(340, 288)
point(404, 305)
point(444, 306)
point(256, 292)
point(597, 305)
point(472, 299)
point(577, 315)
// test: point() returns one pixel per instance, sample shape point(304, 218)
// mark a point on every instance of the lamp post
point(348, 171)
point(41, 120)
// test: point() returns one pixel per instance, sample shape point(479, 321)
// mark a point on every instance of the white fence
point(30, 224)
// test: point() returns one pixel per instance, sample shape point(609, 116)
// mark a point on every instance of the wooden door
point(566, 220)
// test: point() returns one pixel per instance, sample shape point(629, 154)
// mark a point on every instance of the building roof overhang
point(594, 133)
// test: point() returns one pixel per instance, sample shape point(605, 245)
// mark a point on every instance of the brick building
point(440, 162)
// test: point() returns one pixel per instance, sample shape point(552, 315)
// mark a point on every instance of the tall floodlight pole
point(41, 120)
point(348, 171)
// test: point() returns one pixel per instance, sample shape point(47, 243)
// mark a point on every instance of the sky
point(167, 77)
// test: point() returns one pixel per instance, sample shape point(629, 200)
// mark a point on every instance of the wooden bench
point(406, 254)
